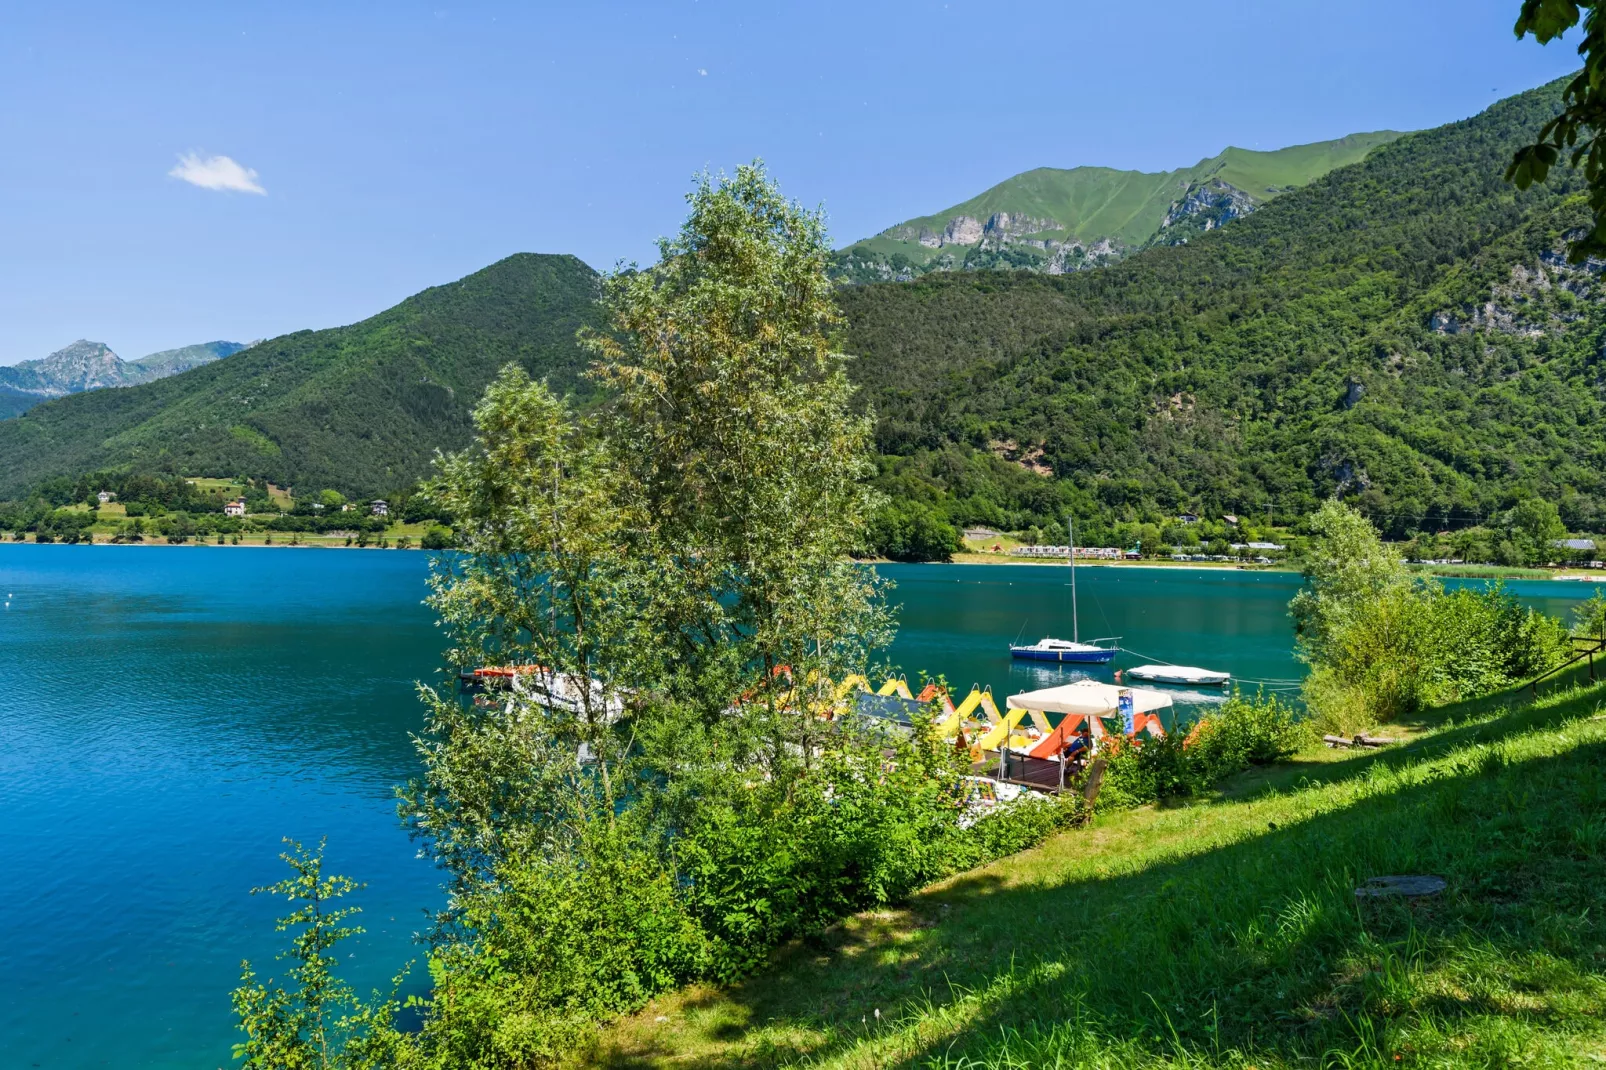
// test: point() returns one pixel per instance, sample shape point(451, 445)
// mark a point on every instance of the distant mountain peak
point(85, 365)
point(82, 365)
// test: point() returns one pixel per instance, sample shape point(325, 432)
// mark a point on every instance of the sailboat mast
point(1070, 531)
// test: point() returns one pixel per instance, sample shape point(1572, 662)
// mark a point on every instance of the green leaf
point(1546, 19)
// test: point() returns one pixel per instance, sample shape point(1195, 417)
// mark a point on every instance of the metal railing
point(1591, 648)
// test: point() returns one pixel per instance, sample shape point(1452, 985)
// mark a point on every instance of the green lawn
point(1226, 933)
point(227, 486)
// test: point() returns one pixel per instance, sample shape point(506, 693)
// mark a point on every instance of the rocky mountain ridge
point(86, 365)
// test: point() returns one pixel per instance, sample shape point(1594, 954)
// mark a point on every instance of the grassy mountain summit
point(360, 408)
point(1058, 220)
point(1403, 331)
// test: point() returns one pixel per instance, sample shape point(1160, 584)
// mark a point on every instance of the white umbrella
point(1090, 698)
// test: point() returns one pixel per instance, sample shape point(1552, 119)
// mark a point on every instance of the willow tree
point(731, 416)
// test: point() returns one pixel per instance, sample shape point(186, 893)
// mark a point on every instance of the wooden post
point(1095, 777)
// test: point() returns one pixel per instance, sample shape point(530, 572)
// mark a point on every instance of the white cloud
point(216, 172)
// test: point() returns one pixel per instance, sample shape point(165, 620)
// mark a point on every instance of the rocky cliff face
point(1544, 298)
point(1008, 241)
point(1000, 229)
point(1203, 207)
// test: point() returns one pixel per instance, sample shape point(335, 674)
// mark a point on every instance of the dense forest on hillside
point(1402, 332)
point(360, 408)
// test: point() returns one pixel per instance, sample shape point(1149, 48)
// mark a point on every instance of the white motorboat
point(1184, 675)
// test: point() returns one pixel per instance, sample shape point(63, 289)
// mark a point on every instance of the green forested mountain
point(360, 409)
point(1059, 220)
point(1402, 331)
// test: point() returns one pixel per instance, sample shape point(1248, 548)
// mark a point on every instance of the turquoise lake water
point(168, 713)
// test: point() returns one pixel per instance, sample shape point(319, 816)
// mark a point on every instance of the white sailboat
point(1070, 651)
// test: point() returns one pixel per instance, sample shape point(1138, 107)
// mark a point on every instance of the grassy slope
point(359, 408)
point(1263, 175)
point(1128, 206)
point(1226, 933)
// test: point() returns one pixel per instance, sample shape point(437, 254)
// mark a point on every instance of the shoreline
point(209, 544)
point(1465, 572)
point(991, 559)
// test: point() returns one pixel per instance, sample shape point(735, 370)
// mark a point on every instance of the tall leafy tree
point(540, 585)
point(732, 418)
point(669, 589)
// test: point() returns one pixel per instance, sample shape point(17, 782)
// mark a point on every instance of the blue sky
point(401, 145)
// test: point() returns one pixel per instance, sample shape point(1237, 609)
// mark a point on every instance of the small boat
point(1072, 651)
point(1064, 650)
point(1185, 675)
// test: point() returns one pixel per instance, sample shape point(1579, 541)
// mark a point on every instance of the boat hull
point(1068, 657)
point(1179, 681)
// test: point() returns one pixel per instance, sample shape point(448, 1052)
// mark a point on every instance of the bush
point(557, 947)
point(1244, 733)
point(562, 942)
point(435, 537)
point(1383, 643)
point(770, 861)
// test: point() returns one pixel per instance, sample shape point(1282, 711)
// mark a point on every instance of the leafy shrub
point(1383, 643)
point(552, 944)
point(1589, 617)
point(556, 947)
point(1147, 771)
point(435, 537)
point(875, 820)
point(1245, 732)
